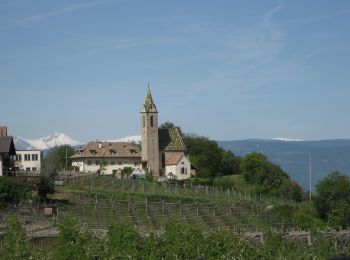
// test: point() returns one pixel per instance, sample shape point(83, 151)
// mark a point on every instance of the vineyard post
point(197, 204)
point(213, 207)
point(96, 201)
point(146, 206)
point(145, 186)
point(123, 185)
point(228, 193)
point(133, 186)
point(163, 208)
point(175, 187)
point(180, 207)
point(196, 189)
point(206, 188)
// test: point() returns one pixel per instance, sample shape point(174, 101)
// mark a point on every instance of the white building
point(28, 160)
point(178, 167)
point(107, 157)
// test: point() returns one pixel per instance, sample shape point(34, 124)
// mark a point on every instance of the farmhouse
point(162, 151)
point(107, 157)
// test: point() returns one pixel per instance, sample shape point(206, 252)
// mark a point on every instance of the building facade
point(28, 161)
point(107, 157)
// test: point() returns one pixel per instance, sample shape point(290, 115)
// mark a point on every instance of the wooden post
point(146, 206)
point(214, 213)
point(129, 206)
point(145, 186)
point(197, 204)
point(133, 186)
point(180, 207)
point(154, 187)
point(163, 202)
point(228, 193)
point(206, 188)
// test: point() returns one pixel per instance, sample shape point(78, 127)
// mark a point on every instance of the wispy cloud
point(61, 11)
point(317, 18)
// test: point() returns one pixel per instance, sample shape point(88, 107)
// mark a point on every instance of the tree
point(13, 193)
point(168, 124)
point(332, 200)
point(58, 157)
point(269, 178)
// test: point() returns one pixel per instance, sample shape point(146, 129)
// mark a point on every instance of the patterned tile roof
point(170, 140)
point(109, 150)
point(149, 105)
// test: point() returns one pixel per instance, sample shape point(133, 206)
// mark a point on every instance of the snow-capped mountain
point(45, 142)
point(130, 139)
point(287, 139)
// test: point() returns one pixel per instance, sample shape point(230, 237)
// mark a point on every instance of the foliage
point(123, 241)
point(126, 171)
point(11, 192)
point(226, 182)
point(103, 167)
point(333, 199)
point(16, 245)
point(211, 159)
point(302, 216)
point(47, 185)
point(56, 157)
point(168, 124)
point(149, 176)
point(270, 178)
point(73, 242)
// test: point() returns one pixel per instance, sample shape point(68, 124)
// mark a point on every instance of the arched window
point(151, 121)
point(143, 121)
point(182, 170)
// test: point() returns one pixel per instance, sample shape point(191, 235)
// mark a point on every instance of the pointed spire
point(149, 105)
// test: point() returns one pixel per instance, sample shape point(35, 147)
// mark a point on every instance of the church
point(163, 152)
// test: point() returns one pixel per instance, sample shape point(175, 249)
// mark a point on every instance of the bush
point(13, 193)
point(16, 245)
point(332, 199)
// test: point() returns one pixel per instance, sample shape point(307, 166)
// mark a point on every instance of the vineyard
point(98, 201)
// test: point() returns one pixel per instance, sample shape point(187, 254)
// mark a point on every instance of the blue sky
point(223, 69)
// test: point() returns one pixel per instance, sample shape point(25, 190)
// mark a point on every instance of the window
point(182, 170)
point(88, 162)
point(112, 162)
point(18, 157)
point(112, 151)
point(92, 151)
point(97, 162)
point(34, 169)
point(28, 169)
point(34, 157)
point(151, 119)
point(119, 163)
point(27, 157)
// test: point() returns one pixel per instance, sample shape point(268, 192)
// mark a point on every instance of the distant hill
point(293, 156)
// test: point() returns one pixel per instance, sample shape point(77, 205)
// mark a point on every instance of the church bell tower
point(149, 135)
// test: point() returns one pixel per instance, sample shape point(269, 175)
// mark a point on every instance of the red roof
point(174, 159)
